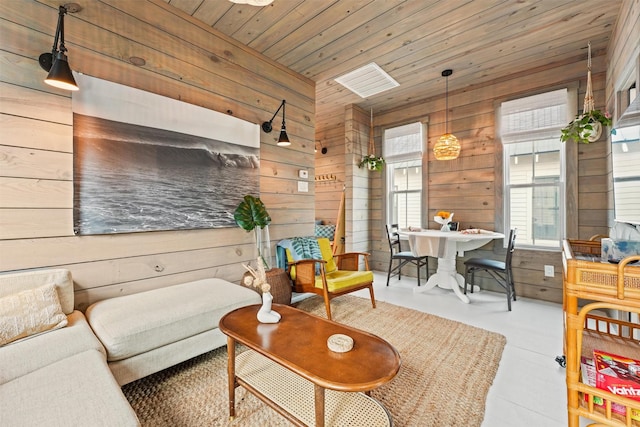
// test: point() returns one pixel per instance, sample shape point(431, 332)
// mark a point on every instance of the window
point(625, 150)
point(402, 150)
point(534, 167)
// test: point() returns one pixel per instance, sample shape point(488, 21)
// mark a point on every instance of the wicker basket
point(588, 278)
point(280, 284)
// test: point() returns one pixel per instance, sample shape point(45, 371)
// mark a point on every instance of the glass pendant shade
point(447, 147)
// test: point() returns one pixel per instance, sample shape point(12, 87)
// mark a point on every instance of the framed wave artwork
point(144, 162)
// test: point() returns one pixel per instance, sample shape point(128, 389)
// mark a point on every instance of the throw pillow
point(307, 248)
point(30, 312)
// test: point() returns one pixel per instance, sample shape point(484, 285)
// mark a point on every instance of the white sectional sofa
point(70, 373)
point(146, 332)
point(59, 377)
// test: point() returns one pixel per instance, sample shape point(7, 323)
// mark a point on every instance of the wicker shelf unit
point(603, 286)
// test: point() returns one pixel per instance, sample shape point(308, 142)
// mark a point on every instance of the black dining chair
point(403, 257)
point(499, 270)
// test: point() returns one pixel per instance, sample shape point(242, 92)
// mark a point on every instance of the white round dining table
point(445, 245)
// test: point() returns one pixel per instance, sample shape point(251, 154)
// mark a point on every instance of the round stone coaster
point(340, 343)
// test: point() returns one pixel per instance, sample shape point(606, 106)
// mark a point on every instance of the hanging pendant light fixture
point(447, 147)
point(56, 63)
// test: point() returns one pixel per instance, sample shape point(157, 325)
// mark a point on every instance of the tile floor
point(529, 388)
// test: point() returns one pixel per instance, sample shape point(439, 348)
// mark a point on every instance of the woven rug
point(447, 369)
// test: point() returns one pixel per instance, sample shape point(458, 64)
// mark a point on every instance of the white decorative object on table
point(258, 279)
point(265, 314)
point(340, 343)
point(443, 218)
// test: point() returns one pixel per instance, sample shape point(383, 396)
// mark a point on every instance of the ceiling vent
point(368, 80)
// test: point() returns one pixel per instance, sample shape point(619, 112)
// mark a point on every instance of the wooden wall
point(360, 212)
point(185, 60)
point(623, 56)
point(189, 61)
point(331, 135)
point(471, 186)
point(348, 143)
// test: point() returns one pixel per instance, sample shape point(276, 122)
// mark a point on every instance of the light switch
point(303, 187)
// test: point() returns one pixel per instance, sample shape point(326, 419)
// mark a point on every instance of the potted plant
point(372, 162)
point(251, 215)
point(586, 128)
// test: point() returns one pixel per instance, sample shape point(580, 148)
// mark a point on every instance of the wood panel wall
point(360, 182)
point(623, 56)
point(471, 185)
point(185, 60)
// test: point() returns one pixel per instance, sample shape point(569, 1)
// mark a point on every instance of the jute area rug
point(447, 369)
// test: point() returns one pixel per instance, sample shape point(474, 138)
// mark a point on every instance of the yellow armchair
point(339, 274)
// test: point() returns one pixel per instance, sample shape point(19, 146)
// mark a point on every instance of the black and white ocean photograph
point(131, 177)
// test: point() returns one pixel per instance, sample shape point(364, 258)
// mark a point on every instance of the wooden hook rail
point(326, 177)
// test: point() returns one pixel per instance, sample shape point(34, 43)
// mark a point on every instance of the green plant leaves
point(372, 162)
point(251, 213)
point(582, 126)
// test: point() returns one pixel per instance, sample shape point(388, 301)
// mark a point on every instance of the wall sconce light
point(55, 63)
point(283, 140)
point(447, 147)
point(323, 149)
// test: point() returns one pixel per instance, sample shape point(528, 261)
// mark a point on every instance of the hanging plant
point(371, 161)
point(587, 127)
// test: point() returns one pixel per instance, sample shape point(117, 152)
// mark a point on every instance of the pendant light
point(447, 147)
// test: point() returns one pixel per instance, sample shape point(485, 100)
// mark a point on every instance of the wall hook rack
point(326, 177)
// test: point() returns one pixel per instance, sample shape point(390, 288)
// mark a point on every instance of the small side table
point(280, 284)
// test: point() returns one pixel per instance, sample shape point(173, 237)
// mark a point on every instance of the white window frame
point(404, 159)
point(536, 135)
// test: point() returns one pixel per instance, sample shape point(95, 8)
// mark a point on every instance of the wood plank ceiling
point(412, 40)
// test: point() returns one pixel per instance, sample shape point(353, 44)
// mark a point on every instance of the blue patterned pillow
point(327, 231)
point(306, 248)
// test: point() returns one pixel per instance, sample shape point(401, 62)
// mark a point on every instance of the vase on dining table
point(444, 221)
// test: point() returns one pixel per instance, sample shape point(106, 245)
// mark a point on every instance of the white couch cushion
point(75, 391)
point(30, 312)
point(20, 358)
point(12, 283)
point(133, 324)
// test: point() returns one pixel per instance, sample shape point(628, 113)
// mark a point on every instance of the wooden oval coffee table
point(289, 366)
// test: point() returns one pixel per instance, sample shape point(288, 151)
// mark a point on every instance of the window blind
point(537, 117)
point(403, 142)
